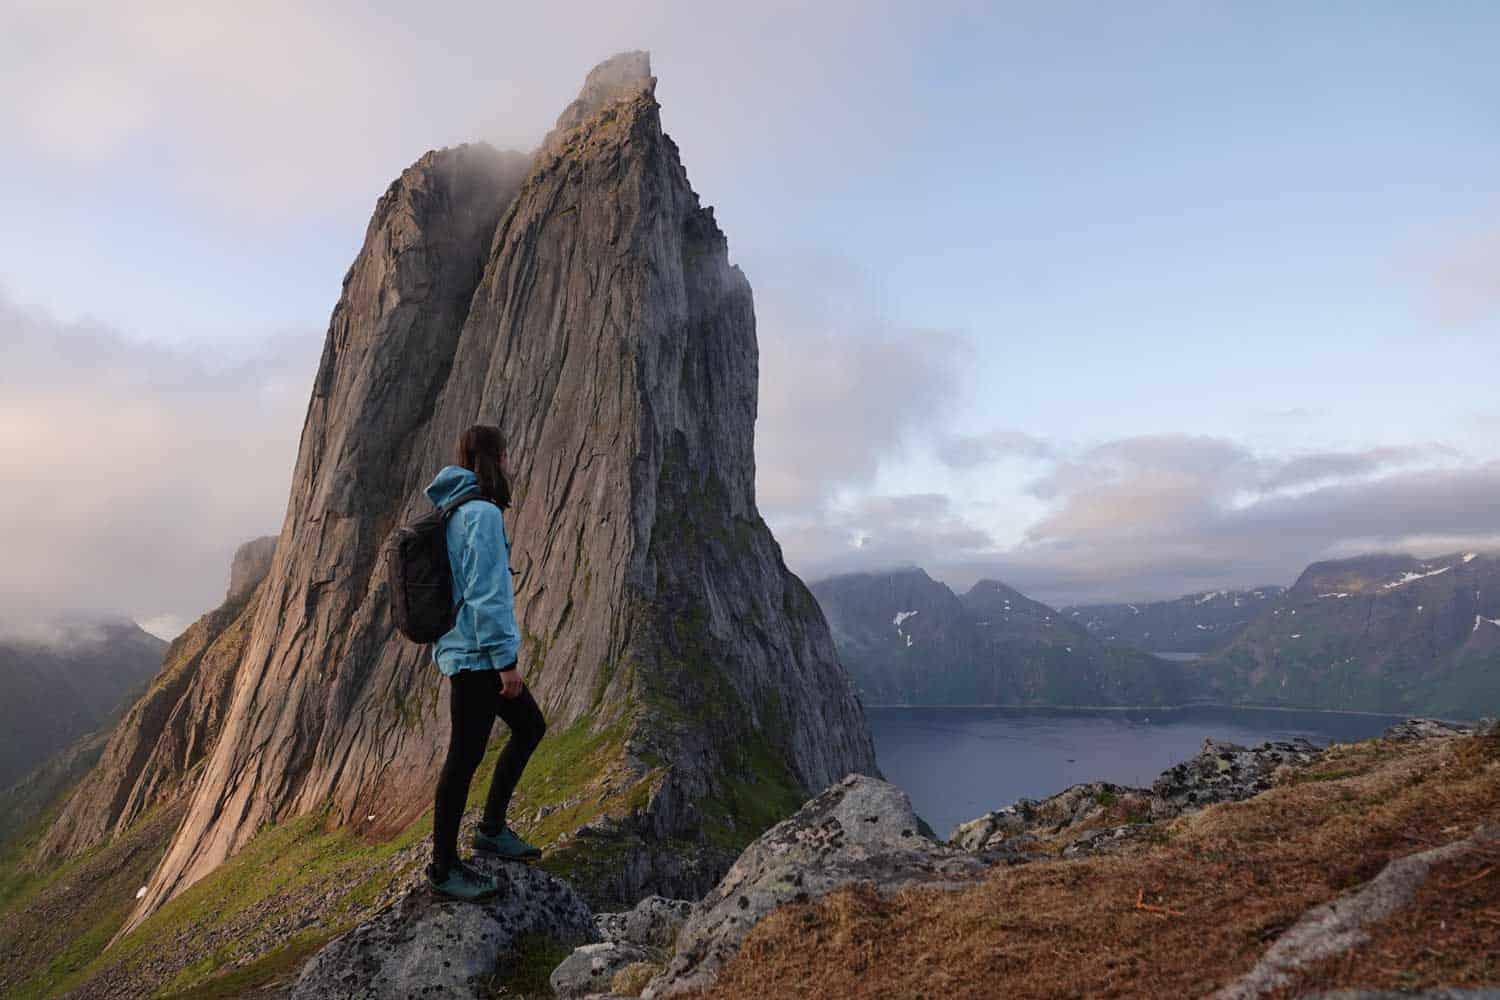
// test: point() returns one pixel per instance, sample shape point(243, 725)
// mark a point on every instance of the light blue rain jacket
point(485, 636)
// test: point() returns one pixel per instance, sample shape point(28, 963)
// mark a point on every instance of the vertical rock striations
point(153, 754)
point(583, 300)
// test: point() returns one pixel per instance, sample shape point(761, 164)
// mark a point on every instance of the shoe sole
point(462, 899)
point(505, 857)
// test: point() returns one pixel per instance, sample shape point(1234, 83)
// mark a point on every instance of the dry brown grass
point(1238, 874)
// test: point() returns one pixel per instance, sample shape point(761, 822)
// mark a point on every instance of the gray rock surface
point(252, 561)
point(1228, 772)
point(651, 923)
point(153, 753)
point(1219, 772)
point(424, 945)
point(1426, 729)
point(860, 830)
point(591, 969)
point(1336, 926)
point(581, 298)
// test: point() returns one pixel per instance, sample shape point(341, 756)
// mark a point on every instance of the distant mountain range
point(1384, 633)
point(64, 678)
point(1378, 633)
point(907, 639)
point(1197, 623)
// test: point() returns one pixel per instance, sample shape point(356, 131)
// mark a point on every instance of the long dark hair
point(479, 451)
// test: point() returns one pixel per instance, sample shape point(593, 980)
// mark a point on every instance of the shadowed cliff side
point(586, 304)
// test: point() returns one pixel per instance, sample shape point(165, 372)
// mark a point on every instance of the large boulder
point(636, 939)
point(425, 945)
point(859, 830)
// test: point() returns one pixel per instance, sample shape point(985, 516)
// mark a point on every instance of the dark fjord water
point(959, 763)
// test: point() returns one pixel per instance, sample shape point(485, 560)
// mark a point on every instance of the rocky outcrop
point(425, 945)
point(1099, 817)
point(1338, 926)
point(907, 639)
point(860, 830)
point(154, 753)
point(582, 299)
point(252, 561)
point(1228, 772)
point(635, 943)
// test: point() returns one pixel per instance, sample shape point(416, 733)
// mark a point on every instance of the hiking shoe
point(463, 882)
point(505, 844)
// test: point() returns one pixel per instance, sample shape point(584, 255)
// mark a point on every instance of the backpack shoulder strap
point(452, 505)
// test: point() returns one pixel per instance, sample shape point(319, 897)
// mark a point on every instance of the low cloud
point(841, 390)
point(1158, 516)
point(133, 471)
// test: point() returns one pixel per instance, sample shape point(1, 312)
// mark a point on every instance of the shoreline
point(1175, 708)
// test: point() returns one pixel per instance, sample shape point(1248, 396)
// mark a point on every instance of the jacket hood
point(450, 482)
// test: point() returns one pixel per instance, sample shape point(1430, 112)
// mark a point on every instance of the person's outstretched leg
point(471, 713)
point(527, 727)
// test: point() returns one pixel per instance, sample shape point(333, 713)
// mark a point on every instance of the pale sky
point(1106, 301)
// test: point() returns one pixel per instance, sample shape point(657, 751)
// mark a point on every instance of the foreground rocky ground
point(1276, 871)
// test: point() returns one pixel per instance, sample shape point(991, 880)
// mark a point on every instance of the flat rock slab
point(858, 830)
point(426, 945)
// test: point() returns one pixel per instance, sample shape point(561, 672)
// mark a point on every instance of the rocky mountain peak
point(622, 77)
point(582, 299)
point(252, 561)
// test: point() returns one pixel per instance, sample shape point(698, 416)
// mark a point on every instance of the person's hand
point(511, 683)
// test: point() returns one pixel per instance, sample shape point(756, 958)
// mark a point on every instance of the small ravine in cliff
point(957, 763)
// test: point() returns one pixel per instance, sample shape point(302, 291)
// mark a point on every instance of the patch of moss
point(527, 972)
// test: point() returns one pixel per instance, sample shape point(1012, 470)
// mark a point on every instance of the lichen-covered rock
point(860, 830)
point(1014, 828)
point(425, 945)
point(1426, 729)
point(1225, 772)
point(651, 923)
point(591, 969)
point(1100, 817)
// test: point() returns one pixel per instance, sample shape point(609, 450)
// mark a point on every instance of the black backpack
point(416, 558)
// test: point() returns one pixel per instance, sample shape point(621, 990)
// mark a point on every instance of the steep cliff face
point(582, 299)
point(154, 752)
point(1384, 633)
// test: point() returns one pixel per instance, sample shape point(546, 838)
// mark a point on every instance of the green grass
point(280, 964)
point(528, 973)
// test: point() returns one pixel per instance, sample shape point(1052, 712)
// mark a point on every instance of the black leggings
point(474, 700)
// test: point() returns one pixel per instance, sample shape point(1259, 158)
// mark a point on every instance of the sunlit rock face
point(581, 298)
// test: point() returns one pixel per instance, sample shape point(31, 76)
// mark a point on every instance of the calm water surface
point(959, 763)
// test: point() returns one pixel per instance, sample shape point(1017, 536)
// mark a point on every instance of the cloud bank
point(134, 470)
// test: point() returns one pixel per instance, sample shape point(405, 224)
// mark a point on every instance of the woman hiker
point(478, 656)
